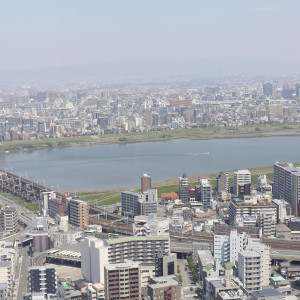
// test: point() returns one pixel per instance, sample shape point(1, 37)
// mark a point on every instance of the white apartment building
point(96, 253)
point(254, 267)
point(227, 247)
point(240, 177)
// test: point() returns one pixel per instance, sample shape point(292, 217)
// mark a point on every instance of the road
point(39, 258)
point(23, 275)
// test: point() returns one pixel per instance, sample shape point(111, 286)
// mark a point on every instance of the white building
point(240, 177)
point(227, 247)
point(94, 255)
point(205, 191)
point(283, 209)
point(254, 266)
point(150, 225)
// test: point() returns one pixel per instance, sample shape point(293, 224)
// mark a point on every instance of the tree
point(198, 291)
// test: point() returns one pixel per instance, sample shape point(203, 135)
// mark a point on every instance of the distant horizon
point(66, 40)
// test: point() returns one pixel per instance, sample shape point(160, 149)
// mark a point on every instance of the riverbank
point(108, 197)
point(205, 133)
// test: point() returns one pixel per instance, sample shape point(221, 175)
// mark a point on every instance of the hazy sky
point(59, 33)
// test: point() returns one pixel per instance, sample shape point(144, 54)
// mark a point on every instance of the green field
point(204, 133)
point(30, 206)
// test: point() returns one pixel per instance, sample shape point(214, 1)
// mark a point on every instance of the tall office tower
point(267, 89)
point(42, 279)
point(8, 219)
point(205, 191)
point(240, 177)
point(78, 213)
point(286, 184)
point(222, 182)
point(123, 281)
point(298, 89)
point(165, 264)
point(286, 91)
point(135, 203)
point(145, 182)
point(227, 247)
point(184, 189)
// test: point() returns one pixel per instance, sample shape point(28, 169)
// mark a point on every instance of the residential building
point(145, 182)
point(150, 225)
point(42, 279)
point(78, 213)
point(240, 177)
point(122, 281)
point(222, 182)
point(227, 247)
point(95, 253)
point(41, 241)
point(283, 209)
point(56, 206)
point(164, 287)
point(6, 276)
point(184, 189)
point(165, 264)
point(205, 192)
point(8, 219)
point(287, 184)
point(135, 203)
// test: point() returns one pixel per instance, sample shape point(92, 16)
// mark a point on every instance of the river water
point(121, 166)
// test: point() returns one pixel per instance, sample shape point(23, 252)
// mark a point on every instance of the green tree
point(198, 291)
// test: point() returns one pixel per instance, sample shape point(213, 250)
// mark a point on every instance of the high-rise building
point(78, 213)
point(287, 184)
point(240, 177)
point(42, 279)
point(135, 203)
point(145, 182)
point(298, 89)
point(205, 192)
point(165, 264)
point(286, 92)
point(254, 266)
point(267, 89)
point(184, 189)
point(56, 207)
point(96, 253)
point(123, 281)
point(227, 247)
point(222, 182)
point(8, 219)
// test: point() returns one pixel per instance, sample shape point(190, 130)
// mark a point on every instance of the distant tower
point(184, 189)
point(145, 182)
point(268, 89)
point(298, 89)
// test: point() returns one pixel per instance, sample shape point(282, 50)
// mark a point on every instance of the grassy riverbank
point(261, 130)
point(166, 186)
point(30, 206)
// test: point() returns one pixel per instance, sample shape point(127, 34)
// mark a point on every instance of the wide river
point(121, 166)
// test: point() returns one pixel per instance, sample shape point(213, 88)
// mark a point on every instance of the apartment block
point(135, 203)
point(42, 280)
point(8, 219)
point(287, 184)
point(78, 213)
point(123, 281)
point(240, 177)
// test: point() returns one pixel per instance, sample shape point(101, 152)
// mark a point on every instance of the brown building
point(164, 287)
point(40, 242)
point(78, 213)
point(145, 182)
point(57, 206)
point(122, 281)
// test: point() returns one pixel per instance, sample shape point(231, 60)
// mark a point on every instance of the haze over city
point(121, 39)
